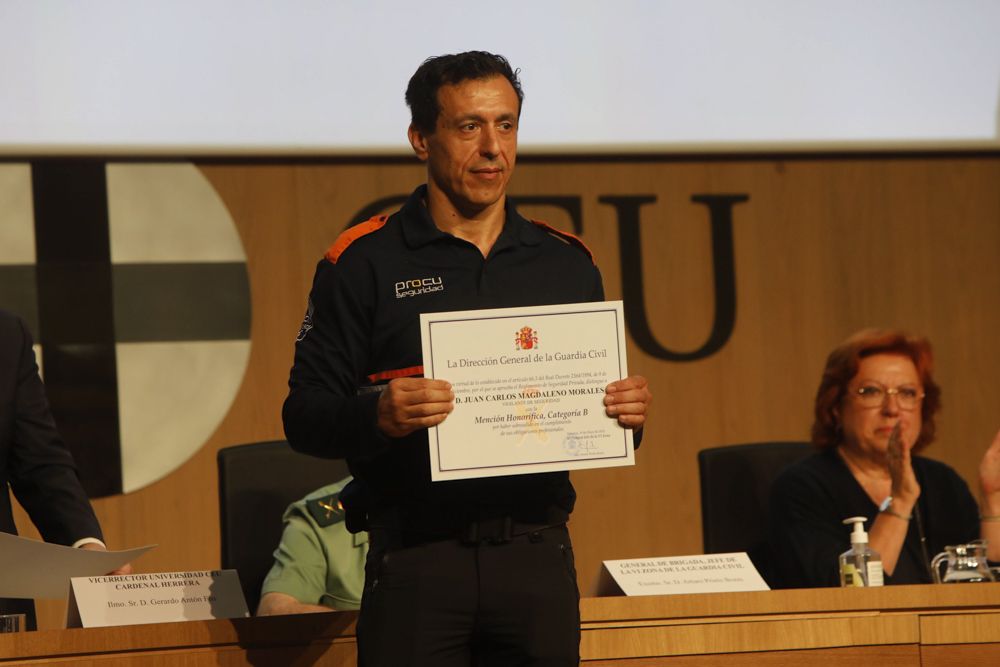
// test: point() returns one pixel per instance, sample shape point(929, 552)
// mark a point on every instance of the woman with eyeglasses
point(874, 412)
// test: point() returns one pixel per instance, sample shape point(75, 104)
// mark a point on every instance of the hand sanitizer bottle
point(859, 565)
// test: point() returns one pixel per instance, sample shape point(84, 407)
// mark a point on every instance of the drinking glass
point(12, 622)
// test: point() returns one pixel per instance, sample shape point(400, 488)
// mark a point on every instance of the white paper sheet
point(529, 388)
point(33, 569)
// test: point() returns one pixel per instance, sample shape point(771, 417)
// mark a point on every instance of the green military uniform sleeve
point(318, 561)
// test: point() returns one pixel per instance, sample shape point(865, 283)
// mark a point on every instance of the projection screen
point(312, 76)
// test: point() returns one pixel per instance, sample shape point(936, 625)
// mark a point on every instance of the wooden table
point(896, 625)
point(893, 626)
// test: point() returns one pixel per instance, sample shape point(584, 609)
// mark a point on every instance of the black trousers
point(449, 604)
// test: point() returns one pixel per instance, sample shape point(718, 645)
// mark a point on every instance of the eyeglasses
point(872, 395)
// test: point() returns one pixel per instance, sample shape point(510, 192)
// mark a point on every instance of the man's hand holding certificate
point(527, 389)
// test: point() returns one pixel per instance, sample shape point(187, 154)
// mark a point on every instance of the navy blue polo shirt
point(362, 329)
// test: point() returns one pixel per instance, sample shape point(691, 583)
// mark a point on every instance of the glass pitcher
point(963, 564)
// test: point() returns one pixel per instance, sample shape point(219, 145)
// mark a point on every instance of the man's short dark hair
point(449, 70)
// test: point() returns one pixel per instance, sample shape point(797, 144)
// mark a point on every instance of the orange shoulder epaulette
point(352, 234)
point(571, 239)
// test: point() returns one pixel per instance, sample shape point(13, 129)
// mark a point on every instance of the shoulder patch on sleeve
point(326, 510)
point(352, 234)
point(565, 237)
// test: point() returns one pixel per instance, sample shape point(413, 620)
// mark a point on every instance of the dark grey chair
point(256, 483)
point(735, 484)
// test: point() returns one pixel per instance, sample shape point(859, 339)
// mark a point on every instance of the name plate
point(710, 573)
point(157, 597)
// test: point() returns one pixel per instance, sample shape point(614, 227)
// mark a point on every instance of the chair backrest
point(735, 483)
point(256, 483)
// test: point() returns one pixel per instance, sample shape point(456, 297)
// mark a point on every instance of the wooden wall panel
point(823, 246)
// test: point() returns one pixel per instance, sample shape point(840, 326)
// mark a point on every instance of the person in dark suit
point(34, 461)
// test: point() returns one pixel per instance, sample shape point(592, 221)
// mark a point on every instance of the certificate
point(529, 389)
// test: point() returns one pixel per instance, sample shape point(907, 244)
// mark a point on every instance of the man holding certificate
point(477, 569)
